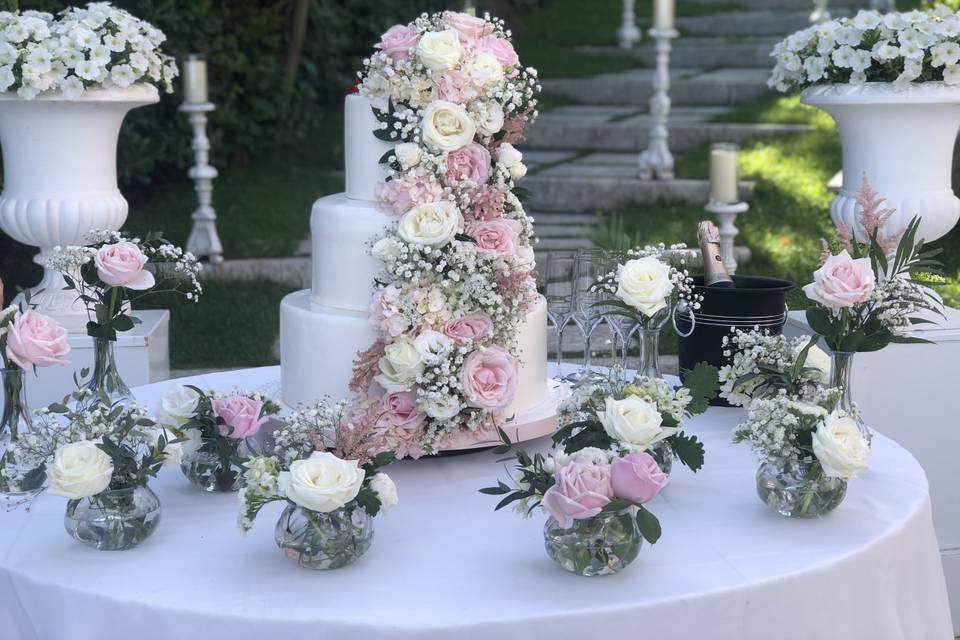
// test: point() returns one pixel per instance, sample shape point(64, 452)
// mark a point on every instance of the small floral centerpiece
point(28, 340)
point(217, 429)
point(99, 46)
point(605, 466)
point(101, 458)
point(644, 290)
point(457, 280)
point(325, 465)
point(109, 275)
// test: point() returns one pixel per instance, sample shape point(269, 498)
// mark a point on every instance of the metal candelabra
point(726, 216)
point(203, 240)
point(628, 34)
point(657, 161)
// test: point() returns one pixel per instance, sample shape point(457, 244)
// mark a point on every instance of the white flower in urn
point(80, 470)
point(440, 49)
point(386, 490)
point(512, 159)
point(323, 482)
point(644, 284)
point(400, 366)
point(447, 126)
point(634, 421)
point(435, 224)
point(843, 451)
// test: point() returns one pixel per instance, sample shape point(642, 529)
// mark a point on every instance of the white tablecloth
point(444, 565)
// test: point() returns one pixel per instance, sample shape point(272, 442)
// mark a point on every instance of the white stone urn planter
point(902, 140)
point(60, 176)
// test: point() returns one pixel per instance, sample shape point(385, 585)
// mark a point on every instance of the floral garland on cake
point(457, 276)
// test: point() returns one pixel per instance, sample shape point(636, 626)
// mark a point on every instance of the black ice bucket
point(755, 302)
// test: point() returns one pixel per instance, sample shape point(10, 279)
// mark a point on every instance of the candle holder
point(204, 241)
point(657, 161)
point(726, 213)
point(628, 34)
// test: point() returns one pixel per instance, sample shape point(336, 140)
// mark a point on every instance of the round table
point(445, 565)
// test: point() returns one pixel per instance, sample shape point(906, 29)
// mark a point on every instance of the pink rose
point(241, 416)
point(471, 162)
point(581, 491)
point(398, 41)
point(34, 340)
point(473, 326)
point(841, 281)
point(121, 265)
point(495, 236)
point(637, 477)
point(400, 410)
point(489, 378)
point(469, 27)
point(501, 49)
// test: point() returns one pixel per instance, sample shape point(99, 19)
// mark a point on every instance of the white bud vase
point(60, 177)
point(902, 140)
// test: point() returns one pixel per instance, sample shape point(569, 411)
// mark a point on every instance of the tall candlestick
point(628, 34)
point(663, 14)
point(724, 184)
point(657, 161)
point(203, 241)
point(195, 80)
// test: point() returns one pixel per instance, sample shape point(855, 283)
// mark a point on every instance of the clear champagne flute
point(589, 267)
point(558, 290)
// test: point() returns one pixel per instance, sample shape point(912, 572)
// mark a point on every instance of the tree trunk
point(299, 18)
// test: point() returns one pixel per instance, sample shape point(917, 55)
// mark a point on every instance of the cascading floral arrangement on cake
point(457, 266)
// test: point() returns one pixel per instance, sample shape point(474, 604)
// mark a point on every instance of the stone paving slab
point(753, 23)
point(780, 5)
point(693, 51)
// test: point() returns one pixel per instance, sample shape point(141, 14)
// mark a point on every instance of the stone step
point(562, 131)
point(559, 231)
point(559, 244)
point(562, 218)
point(749, 23)
point(295, 270)
point(787, 5)
point(720, 87)
point(692, 52)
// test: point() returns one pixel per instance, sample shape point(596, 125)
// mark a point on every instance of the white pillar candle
point(663, 14)
point(195, 80)
point(724, 185)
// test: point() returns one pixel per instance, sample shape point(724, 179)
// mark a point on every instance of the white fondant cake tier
point(362, 150)
point(319, 344)
point(343, 269)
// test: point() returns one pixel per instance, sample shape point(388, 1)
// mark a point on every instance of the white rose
point(408, 153)
point(442, 407)
point(594, 455)
point(512, 159)
point(440, 49)
point(433, 346)
point(178, 405)
point(447, 126)
point(399, 367)
point(634, 421)
point(644, 284)
point(818, 359)
point(323, 482)
point(173, 453)
point(490, 119)
point(842, 450)
point(485, 69)
point(526, 260)
point(386, 490)
point(434, 224)
point(385, 249)
point(79, 470)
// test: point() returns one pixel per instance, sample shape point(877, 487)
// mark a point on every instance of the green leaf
point(703, 382)
point(513, 497)
point(649, 525)
point(689, 450)
point(122, 323)
point(819, 320)
point(802, 356)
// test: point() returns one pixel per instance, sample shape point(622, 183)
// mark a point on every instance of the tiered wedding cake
point(322, 329)
point(423, 304)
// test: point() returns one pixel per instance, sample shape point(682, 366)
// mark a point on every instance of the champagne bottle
point(714, 272)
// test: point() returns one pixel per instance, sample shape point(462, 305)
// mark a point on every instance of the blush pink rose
point(398, 41)
point(489, 378)
point(469, 163)
point(841, 281)
point(121, 265)
point(495, 236)
point(400, 410)
point(34, 340)
point(581, 491)
point(501, 49)
point(241, 416)
point(473, 326)
point(469, 27)
point(637, 477)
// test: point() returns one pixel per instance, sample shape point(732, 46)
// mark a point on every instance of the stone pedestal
point(909, 392)
point(142, 354)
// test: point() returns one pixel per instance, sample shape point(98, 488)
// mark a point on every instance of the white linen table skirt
point(444, 565)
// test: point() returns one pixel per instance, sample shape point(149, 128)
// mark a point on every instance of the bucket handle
point(683, 306)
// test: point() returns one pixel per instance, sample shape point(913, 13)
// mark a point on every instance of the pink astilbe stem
point(365, 366)
point(873, 216)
